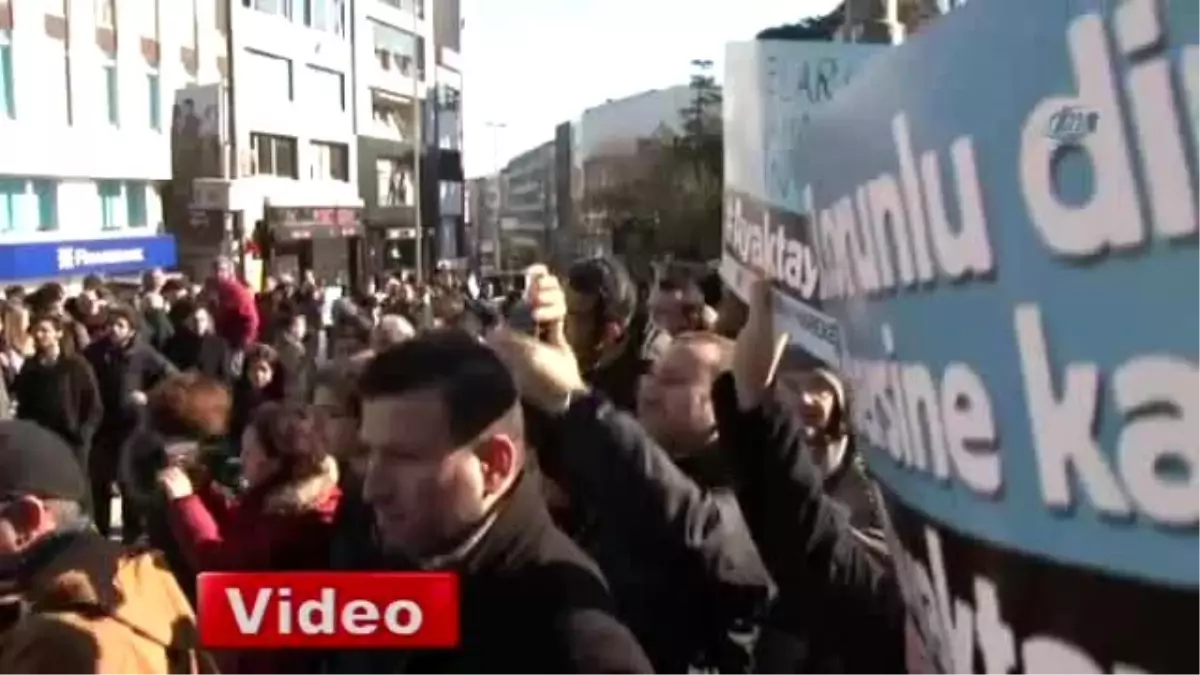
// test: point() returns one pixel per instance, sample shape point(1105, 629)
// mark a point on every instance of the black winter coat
point(205, 354)
point(120, 371)
point(63, 397)
point(532, 602)
point(838, 602)
point(680, 559)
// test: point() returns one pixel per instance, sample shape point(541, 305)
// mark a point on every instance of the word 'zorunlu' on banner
point(1003, 213)
point(321, 610)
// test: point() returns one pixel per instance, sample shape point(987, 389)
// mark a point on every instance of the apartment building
point(286, 199)
point(85, 91)
point(407, 88)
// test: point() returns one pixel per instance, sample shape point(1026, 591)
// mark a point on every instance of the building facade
point(85, 96)
point(483, 221)
point(392, 53)
point(406, 68)
point(280, 191)
point(599, 148)
point(528, 214)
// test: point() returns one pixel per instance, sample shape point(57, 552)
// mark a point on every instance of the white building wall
point(308, 116)
point(43, 142)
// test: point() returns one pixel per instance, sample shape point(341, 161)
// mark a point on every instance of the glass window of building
point(112, 93)
point(395, 182)
point(111, 211)
point(154, 93)
point(330, 161)
point(8, 104)
point(46, 192)
point(273, 155)
point(135, 204)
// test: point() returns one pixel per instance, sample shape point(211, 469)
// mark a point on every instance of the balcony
point(392, 118)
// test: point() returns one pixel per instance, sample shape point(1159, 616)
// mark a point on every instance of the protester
point(686, 574)
point(49, 299)
point(156, 320)
point(90, 607)
point(262, 381)
point(236, 315)
point(126, 367)
point(295, 358)
point(284, 521)
point(607, 330)
point(59, 391)
point(452, 486)
point(187, 417)
point(194, 345)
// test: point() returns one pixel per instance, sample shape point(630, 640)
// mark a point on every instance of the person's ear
point(29, 518)
point(498, 461)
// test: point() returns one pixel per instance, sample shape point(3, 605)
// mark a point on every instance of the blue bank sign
point(46, 260)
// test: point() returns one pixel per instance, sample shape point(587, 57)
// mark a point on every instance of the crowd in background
point(607, 455)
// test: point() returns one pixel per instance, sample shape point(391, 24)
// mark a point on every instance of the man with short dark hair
point(126, 367)
point(86, 606)
point(57, 390)
point(451, 486)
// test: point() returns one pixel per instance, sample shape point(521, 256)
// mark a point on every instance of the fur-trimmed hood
point(311, 494)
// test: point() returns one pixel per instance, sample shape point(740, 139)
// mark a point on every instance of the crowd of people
point(606, 464)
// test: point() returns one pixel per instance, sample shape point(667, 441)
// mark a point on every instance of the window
point(316, 14)
point(394, 180)
point(8, 106)
point(10, 194)
point(270, 76)
point(46, 192)
point(331, 161)
point(398, 51)
point(337, 15)
point(135, 204)
point(392, 118)
point(281, 7)
point(274, 155)
point(153, 91)
point(328, 88)
point(110, 204)
point(106, 13)
point(110, 81)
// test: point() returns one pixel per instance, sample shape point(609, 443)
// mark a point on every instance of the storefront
point(68, 262)
point(325, 240)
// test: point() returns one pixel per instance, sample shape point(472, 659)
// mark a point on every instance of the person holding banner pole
point(835, 595)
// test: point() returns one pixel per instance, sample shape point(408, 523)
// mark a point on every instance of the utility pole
point(418, 145)
point(497, 128)
point(235, 226)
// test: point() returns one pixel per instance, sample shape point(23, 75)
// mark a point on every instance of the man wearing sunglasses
point(84, 605)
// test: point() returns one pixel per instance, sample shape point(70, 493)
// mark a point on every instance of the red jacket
point(237, 314)
point(290, 528)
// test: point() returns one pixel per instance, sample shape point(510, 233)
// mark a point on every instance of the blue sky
point(531, 64)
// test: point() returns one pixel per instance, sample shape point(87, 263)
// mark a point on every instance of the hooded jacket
point(94, 608)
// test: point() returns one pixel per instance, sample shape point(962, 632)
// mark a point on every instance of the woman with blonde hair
point(15, 342)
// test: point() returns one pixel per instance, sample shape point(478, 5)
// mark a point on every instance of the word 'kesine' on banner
point(315, 610)
point(1015, 278)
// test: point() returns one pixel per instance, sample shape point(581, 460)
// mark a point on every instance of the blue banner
point(1005, 215)
point(49, 260)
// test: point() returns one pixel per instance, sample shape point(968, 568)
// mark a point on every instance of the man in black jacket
point(685, 572)
point(452, 487)
point(126, 368)
point(299, 366)
point(57, 390)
